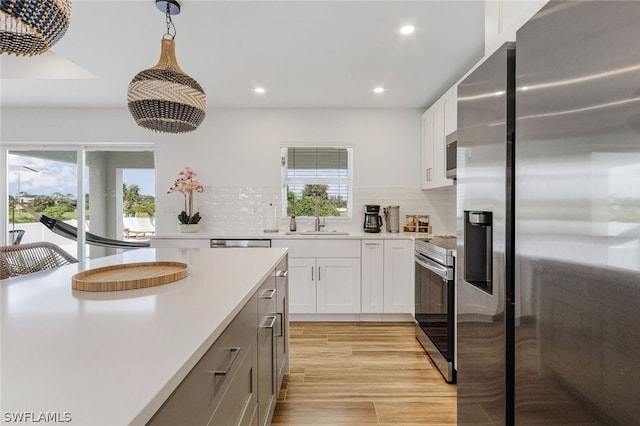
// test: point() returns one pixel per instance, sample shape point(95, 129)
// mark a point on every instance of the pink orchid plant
point(187, 184)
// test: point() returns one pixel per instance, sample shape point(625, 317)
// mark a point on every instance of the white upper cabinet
point(427, 148)
point(437, 122)
point(502, 18)
point(450, 101)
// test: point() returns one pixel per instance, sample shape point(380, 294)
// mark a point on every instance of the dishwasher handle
point(240, 243)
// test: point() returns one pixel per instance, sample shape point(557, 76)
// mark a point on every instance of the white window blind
point(318, 163)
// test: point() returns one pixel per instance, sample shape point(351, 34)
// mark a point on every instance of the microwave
point(451, 155)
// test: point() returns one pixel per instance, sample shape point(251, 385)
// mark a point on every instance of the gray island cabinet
point(237, 380)
point(210, 349)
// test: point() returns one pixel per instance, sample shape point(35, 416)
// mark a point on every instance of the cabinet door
point(437, 122)
point(266, 379)
point(398, 276)
point(302, 285)
point(451, 110)
point(238, 406)
point(372, 276)
point(439, 178)
point(338, 285)
point(427, 149)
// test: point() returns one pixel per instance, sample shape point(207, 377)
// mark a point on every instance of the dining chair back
point(22, 259)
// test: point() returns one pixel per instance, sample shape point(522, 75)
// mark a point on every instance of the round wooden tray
point(129, 276)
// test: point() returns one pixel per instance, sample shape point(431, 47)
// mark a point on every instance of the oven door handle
point(432, 266)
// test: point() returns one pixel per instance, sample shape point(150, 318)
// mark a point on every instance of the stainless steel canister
point(392, 218)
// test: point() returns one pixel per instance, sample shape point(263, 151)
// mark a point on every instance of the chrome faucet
point(317, 225)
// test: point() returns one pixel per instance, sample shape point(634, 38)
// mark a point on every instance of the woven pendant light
point(163, 98)
point(31, 27)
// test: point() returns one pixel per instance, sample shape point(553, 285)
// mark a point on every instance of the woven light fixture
point(163, 98)
point(31, 27)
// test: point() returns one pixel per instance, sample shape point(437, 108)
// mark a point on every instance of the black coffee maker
point(372, 218)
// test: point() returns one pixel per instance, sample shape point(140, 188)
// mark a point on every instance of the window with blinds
point(317, 178)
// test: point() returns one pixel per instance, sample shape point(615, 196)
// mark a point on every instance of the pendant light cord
point(170, 24)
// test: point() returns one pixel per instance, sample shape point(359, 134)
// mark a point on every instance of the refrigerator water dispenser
point(478, 249)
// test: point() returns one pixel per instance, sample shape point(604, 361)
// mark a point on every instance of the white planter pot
point(192, 227)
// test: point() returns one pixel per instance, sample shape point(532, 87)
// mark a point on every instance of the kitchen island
point(113, 358)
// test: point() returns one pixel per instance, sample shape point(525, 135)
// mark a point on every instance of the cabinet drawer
point(267, 296)
point(239, 402)
point(200, 393)
point(320, 248)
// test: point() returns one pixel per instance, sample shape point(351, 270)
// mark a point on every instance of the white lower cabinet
point(324, 276)
point(398, 276)
point(338, 285)
point(302, 285)
point(372, 276)
point(324, 285)
point(387, 277)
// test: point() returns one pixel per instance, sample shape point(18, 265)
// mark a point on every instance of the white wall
point(236, 154)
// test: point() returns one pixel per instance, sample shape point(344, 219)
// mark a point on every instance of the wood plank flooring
point(361, 374)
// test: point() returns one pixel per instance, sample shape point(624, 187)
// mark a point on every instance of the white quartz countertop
point(112, 358)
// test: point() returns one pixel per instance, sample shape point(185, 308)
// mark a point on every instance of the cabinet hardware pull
point(319, 274)
point(282, 274)
point(234, 354)
point(268, 294)
point(281, 334)
point(271, 318)
point(312, 268)
point(371, 244)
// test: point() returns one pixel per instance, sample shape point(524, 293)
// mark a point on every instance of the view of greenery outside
point(304, 204)
point(56, 206)
point(63, 206)
point(137, 205)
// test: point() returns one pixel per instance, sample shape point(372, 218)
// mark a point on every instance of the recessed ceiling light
point(378, 90)
point(407, 29)
point(259, 90)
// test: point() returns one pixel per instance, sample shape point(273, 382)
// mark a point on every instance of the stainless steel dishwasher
point(241, 243)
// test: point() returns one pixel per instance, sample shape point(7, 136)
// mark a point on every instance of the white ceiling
point(319, 54)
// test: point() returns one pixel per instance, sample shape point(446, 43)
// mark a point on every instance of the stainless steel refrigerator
point(548, 312)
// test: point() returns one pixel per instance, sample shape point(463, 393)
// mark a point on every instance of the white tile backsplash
point(243, 209)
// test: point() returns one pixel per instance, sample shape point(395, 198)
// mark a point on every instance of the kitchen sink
point(317, 233)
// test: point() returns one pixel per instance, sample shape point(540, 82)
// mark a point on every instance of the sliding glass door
point(113, 182)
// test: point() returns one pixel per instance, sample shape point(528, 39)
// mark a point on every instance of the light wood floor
point(361, 374)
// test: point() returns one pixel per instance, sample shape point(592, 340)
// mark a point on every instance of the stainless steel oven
point(435, 302)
